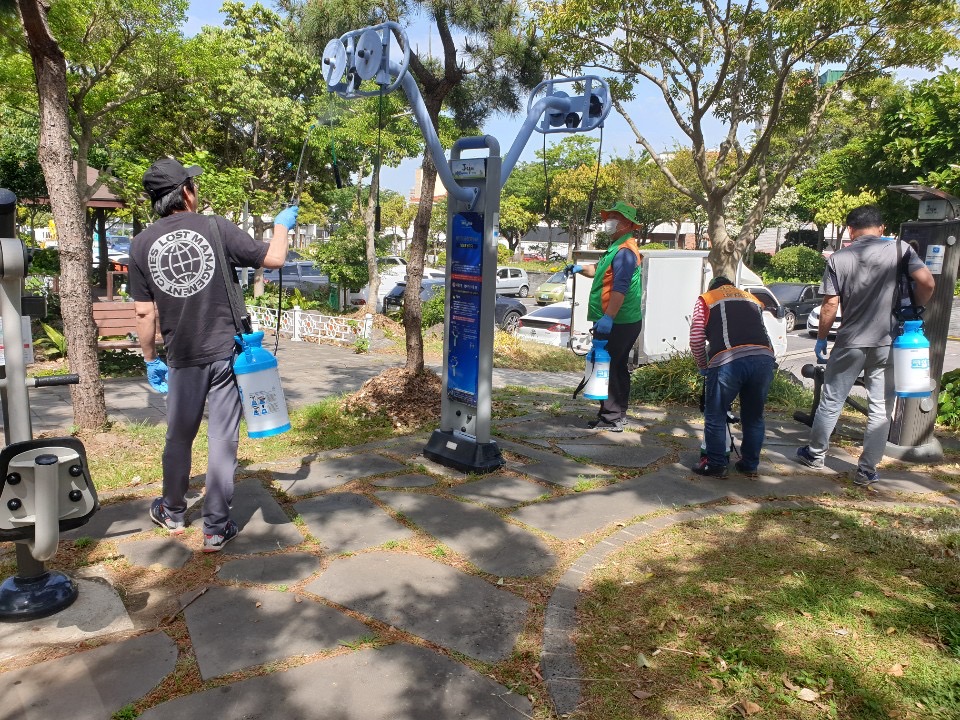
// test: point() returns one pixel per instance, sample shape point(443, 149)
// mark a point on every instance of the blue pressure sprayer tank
point(911, 361)
point(264, 407)
point(597, 372)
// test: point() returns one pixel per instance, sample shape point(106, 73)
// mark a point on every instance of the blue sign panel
point(466, 272)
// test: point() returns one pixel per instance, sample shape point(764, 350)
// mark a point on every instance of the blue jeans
point(750, 378)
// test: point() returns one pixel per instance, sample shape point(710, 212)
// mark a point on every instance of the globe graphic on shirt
point(181, 263)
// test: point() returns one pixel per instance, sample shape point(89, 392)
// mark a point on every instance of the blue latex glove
point(603, 326)
point(820, 350)
point(157, 375)
point(287, 217)
point(572, 270)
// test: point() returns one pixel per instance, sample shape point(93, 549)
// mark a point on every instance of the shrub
point(798, 264)
point(803, 237)
point(431, 312)
point(45, 261)
point(654, 246)
point(503, 254)
point(948, 401)
point(761, 262)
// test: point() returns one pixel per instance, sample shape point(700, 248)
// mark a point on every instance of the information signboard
point(466, 272)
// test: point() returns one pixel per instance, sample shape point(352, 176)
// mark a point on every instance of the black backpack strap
point(241, 319)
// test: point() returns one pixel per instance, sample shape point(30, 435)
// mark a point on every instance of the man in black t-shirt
point(175, 279)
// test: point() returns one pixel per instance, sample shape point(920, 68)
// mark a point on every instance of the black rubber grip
point(53, 380)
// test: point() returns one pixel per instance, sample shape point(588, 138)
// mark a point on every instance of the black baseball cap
point(166, 175)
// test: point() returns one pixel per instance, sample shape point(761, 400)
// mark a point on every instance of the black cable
point(546, 182)
point(596, 181)
point(376, 218)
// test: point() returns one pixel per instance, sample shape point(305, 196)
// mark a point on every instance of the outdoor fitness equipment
point(473, 185)
point(934, 236)
point(45, 485)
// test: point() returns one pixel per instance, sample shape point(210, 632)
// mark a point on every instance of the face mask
point(610, 226)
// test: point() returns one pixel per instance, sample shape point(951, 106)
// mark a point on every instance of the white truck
point(671, 282)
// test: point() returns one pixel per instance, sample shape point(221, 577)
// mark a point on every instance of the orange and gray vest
point(734, 319)
point(603, 285)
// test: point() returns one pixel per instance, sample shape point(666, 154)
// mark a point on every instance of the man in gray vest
point(862, 277)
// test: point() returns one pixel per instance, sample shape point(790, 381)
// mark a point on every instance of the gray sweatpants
point(843, 368)
point(190, 389)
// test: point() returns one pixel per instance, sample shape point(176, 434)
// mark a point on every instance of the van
point(672, 280)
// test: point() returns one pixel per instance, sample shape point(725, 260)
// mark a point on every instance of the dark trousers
point(750, 378)
point(214, 385)
point(620, 342)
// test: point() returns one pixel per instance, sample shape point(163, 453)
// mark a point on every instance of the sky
point(648, 111)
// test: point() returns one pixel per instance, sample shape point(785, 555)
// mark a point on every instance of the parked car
point(534, 258)
point(512, 281)
point(798, 299)
point(549, 325)
point(557, 288)
point(507, 311)
point(304, 275)
point(813, 323)
point(117, 259)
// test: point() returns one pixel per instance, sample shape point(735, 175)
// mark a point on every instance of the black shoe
point(742, 469)
point(615, 426)
point(215, 543)
point(159, 514)
point(708, 470)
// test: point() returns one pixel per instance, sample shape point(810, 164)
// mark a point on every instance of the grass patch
point(515, 354)
point(131, 451)
point(677, 380)
point(855, 611)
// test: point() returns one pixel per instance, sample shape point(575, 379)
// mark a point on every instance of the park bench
point(116, 319)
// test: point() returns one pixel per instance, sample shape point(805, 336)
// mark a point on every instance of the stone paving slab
point(287, 569)
point(328, 474)
point(264, 526)
point(500, 491)
point(97, 611)
point(904, 481)
point(554, 426)
point(838, 461)
point(405, 481)
point(633, 456)
point(399, 682)
point(90, 685)
point(160, 552)
point(571, 516)
point(347, 522)
point(635, 437)
point(428, 599)
point(487, 540)
point(563, 472)
point(116, 520)
point(235, 627)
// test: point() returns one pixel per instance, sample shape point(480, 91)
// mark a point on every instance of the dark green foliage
point(45, 261)
point(803, 237)
point(432, 311)
point(798, 264)
point(948, 402)
point(761, 261)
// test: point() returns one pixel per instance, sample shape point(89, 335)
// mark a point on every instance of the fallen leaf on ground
point(835, 536)
point(858, 594)
point(717, 685)
point(642, 660)
point(891, 630)
point(789, 685)
point(259, 604)
point(828, 687)
point(808, 695)
point(642, 694)
point(806, 614)
point(841, 631)
point(750, 708)
point(896, 670)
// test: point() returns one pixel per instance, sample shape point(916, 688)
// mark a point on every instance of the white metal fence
point(300, 324)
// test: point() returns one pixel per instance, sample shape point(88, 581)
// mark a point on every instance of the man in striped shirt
point(734, 353)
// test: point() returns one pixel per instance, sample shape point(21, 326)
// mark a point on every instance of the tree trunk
point(412, 312)
point(369, 219)
point(724, 254)
point(56, 159)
